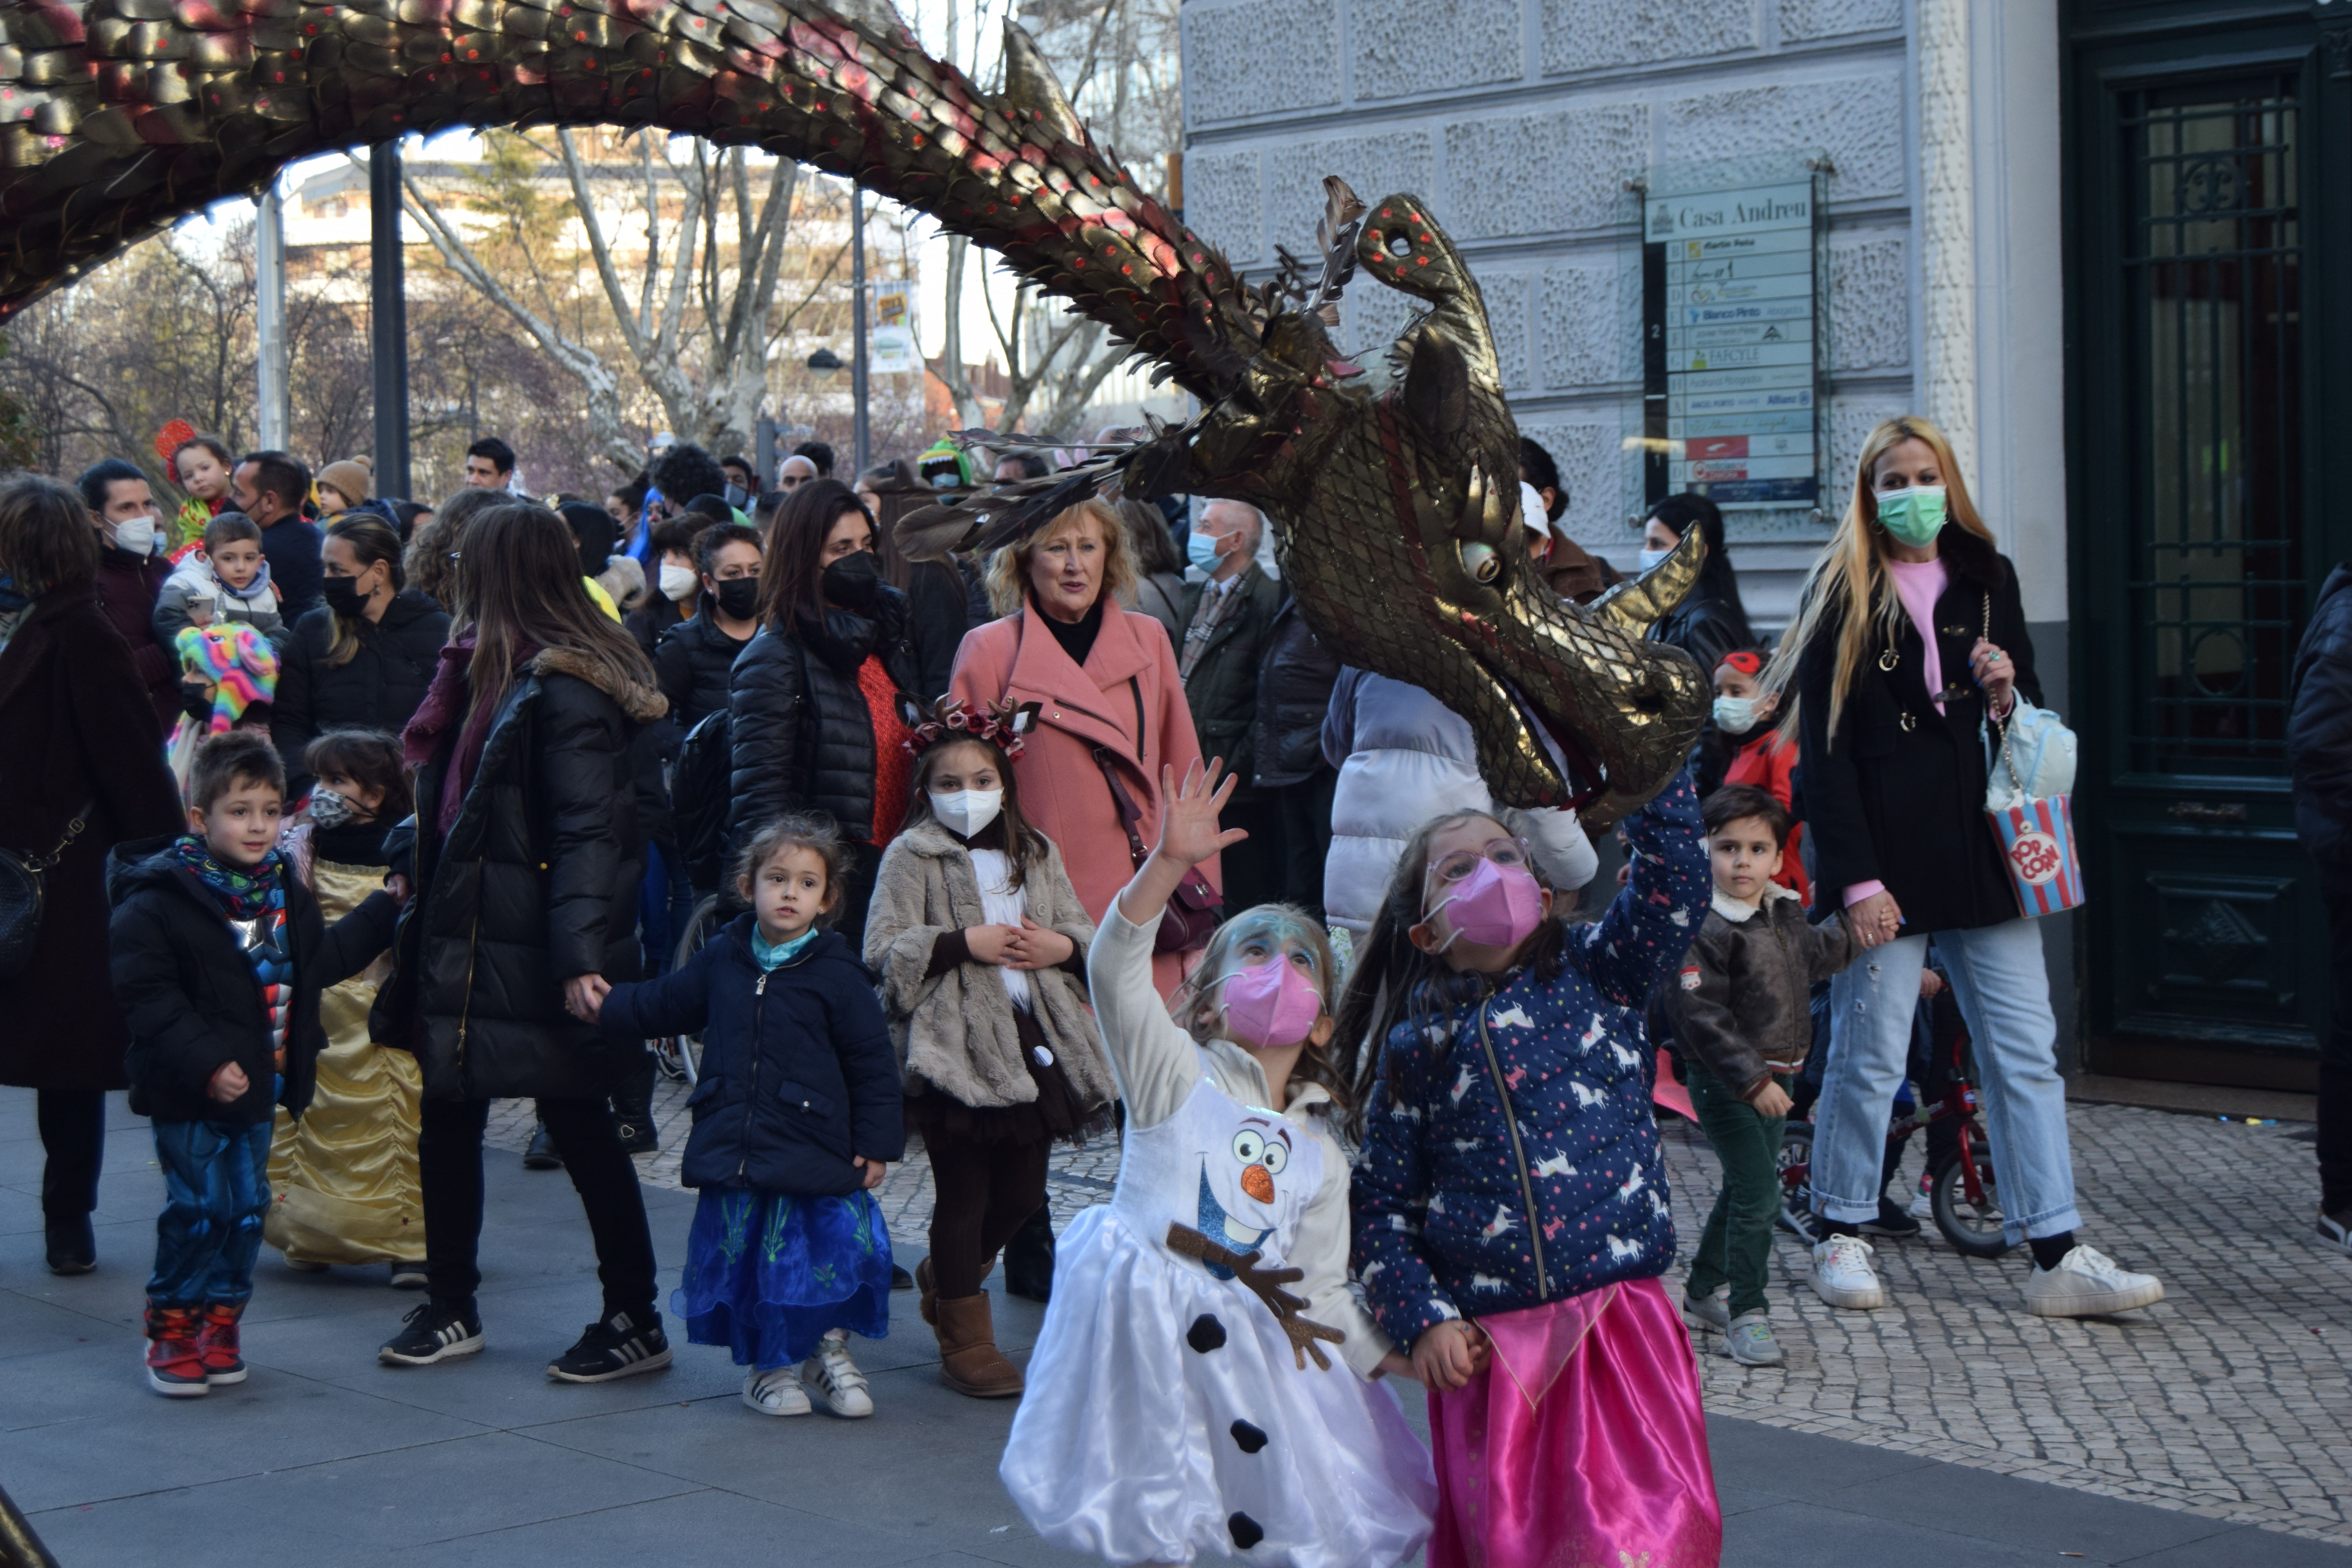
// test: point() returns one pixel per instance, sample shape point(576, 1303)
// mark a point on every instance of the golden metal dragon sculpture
point(1393, 493)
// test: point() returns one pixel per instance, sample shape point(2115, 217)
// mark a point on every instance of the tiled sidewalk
point(2230, 1399)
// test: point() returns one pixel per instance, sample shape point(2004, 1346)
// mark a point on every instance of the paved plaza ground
point(1949, 1430)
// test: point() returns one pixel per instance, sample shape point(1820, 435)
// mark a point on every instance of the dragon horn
point(1635, 604)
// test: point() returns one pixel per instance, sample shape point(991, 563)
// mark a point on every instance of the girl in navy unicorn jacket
point(1510, 1204)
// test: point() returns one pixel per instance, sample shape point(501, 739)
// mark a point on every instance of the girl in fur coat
point(980, 942)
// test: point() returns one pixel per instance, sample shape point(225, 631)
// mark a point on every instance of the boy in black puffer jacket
point(218, 954)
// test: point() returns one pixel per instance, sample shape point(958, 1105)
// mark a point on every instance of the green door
point(2199, 291)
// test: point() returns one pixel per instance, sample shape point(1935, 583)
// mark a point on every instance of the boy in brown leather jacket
point(1742, 1025)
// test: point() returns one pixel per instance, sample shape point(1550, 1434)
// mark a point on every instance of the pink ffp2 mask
point(1493, 906)
point(1271, 1006)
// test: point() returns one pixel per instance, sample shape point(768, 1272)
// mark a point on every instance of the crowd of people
point(356, 816)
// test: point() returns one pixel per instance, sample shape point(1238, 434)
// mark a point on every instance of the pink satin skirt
point(1582, 1445)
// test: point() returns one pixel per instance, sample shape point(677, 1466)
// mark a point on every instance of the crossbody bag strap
point(1130, 815)
point(74, 830)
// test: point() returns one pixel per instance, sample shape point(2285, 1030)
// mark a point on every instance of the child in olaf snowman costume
point(1203, 1385)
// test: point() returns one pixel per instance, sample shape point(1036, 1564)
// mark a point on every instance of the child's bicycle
point(1966, 1209)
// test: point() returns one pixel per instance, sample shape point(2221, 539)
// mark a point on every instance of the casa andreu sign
point(1720, 213)
point(1732, 350)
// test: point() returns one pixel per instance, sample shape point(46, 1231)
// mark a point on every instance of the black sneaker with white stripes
point(433, 1331)
point(622, 1345)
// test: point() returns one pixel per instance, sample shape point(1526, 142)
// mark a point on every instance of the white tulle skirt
point(1166, 1419)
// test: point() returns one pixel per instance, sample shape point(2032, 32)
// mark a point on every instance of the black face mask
point(343, 596)
point(738, 597)
point(852, 581)
point(196, 702)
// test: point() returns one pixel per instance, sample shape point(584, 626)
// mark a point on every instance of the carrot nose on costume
point(1258, 1183)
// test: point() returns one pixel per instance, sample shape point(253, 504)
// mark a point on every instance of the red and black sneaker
point(175, 1366)
point(216, 1344)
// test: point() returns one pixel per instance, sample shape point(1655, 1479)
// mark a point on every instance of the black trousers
point(1307, 836)
point(857, 895)
point(983, 1189)
point(73, 1135)
point(1256, 871)
point(2335, 1050)
point(449, 1162)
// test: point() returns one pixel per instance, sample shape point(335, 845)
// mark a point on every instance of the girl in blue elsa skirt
point(796, 1118)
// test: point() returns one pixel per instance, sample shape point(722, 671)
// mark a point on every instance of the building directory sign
point(1732, 365)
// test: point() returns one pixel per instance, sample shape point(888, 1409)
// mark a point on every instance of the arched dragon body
point(1392, 494)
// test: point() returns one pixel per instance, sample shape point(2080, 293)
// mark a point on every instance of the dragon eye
point(1277, 1155)
point(1482, 563)
point(1248, 1146)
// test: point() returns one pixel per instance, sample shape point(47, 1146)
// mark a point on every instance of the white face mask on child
point(967, 811)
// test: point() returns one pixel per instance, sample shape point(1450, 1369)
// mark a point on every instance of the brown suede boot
point(928, 1282)
point(970, 1361)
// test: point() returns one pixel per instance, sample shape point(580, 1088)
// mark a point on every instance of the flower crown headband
point(1007, 723)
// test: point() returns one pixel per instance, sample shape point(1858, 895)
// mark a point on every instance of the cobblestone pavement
point(2230, 1399)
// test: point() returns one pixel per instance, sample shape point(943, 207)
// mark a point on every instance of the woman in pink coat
point(1107, 679)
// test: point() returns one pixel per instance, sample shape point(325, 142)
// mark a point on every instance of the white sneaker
point(1711, 1312)
point(776, 1392)
point(1842, 1275)
point(2087, 1283)
point(1922, 1203)
point(833, 1381)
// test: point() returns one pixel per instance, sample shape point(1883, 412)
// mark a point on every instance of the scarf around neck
point(769, 955)
point(257, 589)
point(243, 895)
point(448, 703)
point(842, 638)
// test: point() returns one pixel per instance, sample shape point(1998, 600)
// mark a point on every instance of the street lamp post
point(858, 322)
point(269, 318)
point(388, 321)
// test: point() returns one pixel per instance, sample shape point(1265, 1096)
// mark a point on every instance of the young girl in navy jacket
point(1510, 1205)
point(795, 1119)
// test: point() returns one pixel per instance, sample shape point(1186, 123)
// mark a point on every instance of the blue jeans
point(216, 1191)
point(2003, 992)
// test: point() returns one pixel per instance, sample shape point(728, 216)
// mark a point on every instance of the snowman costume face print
point(1243, 1203)
point(1170, 1413)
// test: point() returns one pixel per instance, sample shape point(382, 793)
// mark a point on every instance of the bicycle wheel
point(699, 927)
point(1796, 1170)
point(1973, 1229)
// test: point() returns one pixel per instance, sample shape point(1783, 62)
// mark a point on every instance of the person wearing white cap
point(1568, 568)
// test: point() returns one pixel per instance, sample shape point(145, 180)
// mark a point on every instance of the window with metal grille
point(2213, 263)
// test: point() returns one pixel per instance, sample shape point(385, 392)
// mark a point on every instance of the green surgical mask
point(1914, 515)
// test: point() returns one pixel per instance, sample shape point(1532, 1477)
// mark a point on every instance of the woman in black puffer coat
point(362, 660)
point(528, 859)
point(694, 658)
point(815, 703)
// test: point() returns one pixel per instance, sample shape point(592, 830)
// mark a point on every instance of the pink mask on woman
point(1493, 906)
point(1271, 1006)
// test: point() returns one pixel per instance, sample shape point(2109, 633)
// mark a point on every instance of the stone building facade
point(2136, 379)
point(1521, 122)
